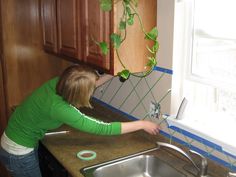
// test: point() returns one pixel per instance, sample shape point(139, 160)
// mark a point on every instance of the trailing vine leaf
point(116, 39)
point(135, 3)
point(127, 2)
point(130, 20)
point(122, 25)
point(152, 35)
point(128, 10)
point(106, 5)
point(151, 62)
point(104, 47)
point(150, 50)
point(155, 46)
point(124, 74)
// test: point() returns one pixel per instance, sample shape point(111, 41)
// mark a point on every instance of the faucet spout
point(159, 144)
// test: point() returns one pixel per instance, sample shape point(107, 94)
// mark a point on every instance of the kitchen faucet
point(202, 169)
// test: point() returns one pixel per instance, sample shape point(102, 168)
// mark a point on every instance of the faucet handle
point(230, 174)
point(203, 165)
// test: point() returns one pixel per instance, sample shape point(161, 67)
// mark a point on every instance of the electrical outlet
point(154, 110)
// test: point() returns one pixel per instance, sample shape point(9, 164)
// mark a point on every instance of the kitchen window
point(204, 68)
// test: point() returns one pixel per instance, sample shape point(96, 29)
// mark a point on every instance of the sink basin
point(138, 166)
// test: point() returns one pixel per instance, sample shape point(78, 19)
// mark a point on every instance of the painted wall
point(134, 96)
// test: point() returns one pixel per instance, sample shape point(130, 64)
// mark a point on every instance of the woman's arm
point(148, 126)
point(73, 117)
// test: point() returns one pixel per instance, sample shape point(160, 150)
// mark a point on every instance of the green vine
point(127, 19)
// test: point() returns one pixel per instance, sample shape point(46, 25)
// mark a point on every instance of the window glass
point(211, 82)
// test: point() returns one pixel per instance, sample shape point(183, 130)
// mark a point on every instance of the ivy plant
point(127, 19)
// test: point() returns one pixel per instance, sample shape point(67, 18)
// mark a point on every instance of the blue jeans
point(21, 165)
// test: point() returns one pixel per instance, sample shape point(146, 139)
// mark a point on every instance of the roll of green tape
point(86, 155)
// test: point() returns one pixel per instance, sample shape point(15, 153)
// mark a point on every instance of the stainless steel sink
point(137, 166)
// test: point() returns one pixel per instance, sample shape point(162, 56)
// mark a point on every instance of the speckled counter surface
point(64, 147)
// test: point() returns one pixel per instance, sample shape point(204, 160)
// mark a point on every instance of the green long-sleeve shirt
point(44, 110)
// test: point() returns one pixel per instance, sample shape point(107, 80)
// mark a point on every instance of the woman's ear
point(103, 79)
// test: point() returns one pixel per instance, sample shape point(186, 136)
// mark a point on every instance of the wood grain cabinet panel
point(80, 22)
point(95, 26)
point(68, 18)
point(48, 13)
point(3, 113)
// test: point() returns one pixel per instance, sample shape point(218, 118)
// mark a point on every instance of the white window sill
point(214, 129)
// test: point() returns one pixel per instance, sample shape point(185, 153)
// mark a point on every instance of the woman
point(55, 103)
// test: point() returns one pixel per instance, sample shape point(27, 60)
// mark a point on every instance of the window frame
point(182, 69)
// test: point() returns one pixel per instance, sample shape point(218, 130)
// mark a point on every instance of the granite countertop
point(64, 147)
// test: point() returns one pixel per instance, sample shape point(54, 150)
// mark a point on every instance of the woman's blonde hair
point(76, 85)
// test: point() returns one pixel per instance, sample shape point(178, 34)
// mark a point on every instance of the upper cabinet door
point(73, 27)
point(68, 19)
point(49, 25)
point(95, 26)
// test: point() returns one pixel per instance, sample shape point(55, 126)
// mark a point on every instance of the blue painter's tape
point(164, 70)
point(216, 159)
point(206, 154)
point(195, 137)
point(228, 154)
point(172, 137)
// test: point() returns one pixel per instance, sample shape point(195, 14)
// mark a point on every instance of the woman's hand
point(148, 126)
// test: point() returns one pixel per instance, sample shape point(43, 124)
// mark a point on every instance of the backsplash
point(134, 97)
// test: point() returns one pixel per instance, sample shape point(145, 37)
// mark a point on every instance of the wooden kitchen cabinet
point(78, 23)
point(3, 112)
point(48, 14)
point(60, 23)
point(96, 25)
point(68, 25)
